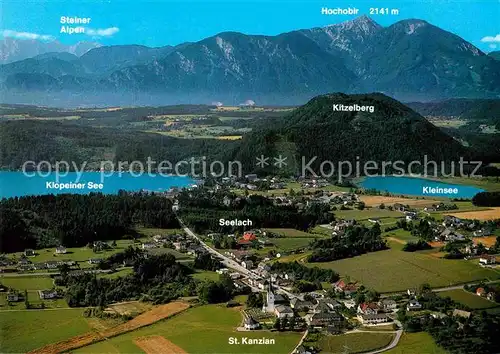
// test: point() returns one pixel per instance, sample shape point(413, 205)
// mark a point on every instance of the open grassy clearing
point(469, 299)
point(290, 243)
point(420, 342)
point(206, 275)
point(22, 331)
point(290, 232)
point(151, 231)
point(394, 270)
point(355, 342)
point(204, 329)
point(27, 283)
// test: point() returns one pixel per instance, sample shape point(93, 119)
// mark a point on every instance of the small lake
point(419, 186)
point(17, 184)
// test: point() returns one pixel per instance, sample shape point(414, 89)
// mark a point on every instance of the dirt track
point(154, 315)
point(158, 345)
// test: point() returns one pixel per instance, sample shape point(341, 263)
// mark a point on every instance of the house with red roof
point(480, 292)
point(249, 236)
point(368, 308)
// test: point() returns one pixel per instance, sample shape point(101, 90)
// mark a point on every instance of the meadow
point(420, 342)
point(204, 329)
point(26, 330)
point(354, 342)
point(393, 270)
point(469, 299)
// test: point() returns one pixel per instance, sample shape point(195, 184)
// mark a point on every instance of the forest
point(488, 199)
point(74, 220)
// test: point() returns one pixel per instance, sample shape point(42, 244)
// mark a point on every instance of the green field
point(150, 232)
point(289, 243)
point(27, 282)
point(469, 299)
point(119, 273)
point(366, 214)
point(420, 342)
point(394, 270)
point(290, 232)
point(206, 275)
point(354, 342)
point(22, 331)
point(204, 329)
point(77, 254)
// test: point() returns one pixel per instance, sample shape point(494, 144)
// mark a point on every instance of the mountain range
point(12, 49)
point(409, 60)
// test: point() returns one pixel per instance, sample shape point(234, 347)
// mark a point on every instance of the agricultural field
point(290, 243)
point(469, 299)
point(26, 330)
point(376, 200)
point(151, 231)
point(354, 342)
point(394, 270)
point(145, 319)
point(401, 236)
point(204, 329)
point(487, 214)
point(27, 282)
point(420, 342)
point(488, 241)
point(290, 232)
point(366, 214)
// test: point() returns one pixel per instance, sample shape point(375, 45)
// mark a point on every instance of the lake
point(16, 184)
point(419, 186)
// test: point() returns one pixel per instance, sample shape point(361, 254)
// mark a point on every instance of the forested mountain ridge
point(392, 132)
point(410, 59)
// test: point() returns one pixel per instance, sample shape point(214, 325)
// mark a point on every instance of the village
point(278, 286)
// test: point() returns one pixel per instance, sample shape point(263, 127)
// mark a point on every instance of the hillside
point(392, 132)
point(473, 109)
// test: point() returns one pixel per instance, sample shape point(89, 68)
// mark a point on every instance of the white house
point(413, 305)
point(61, 250)
point(282, 311)
point(373, 318)
point(250, 323)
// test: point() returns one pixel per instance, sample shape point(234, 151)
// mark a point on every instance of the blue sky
point(157, 23)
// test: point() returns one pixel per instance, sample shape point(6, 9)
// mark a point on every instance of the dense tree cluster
point(357, 240)
point(416, 246)
point(490, 199)
point(480, 333)
point(216, 291)
point(312, 274)
point(77, 220)
point(203, 210)
point(156, 278)
point(207, 262)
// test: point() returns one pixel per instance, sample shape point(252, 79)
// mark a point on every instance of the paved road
point(446, 288)
point(229, 263)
